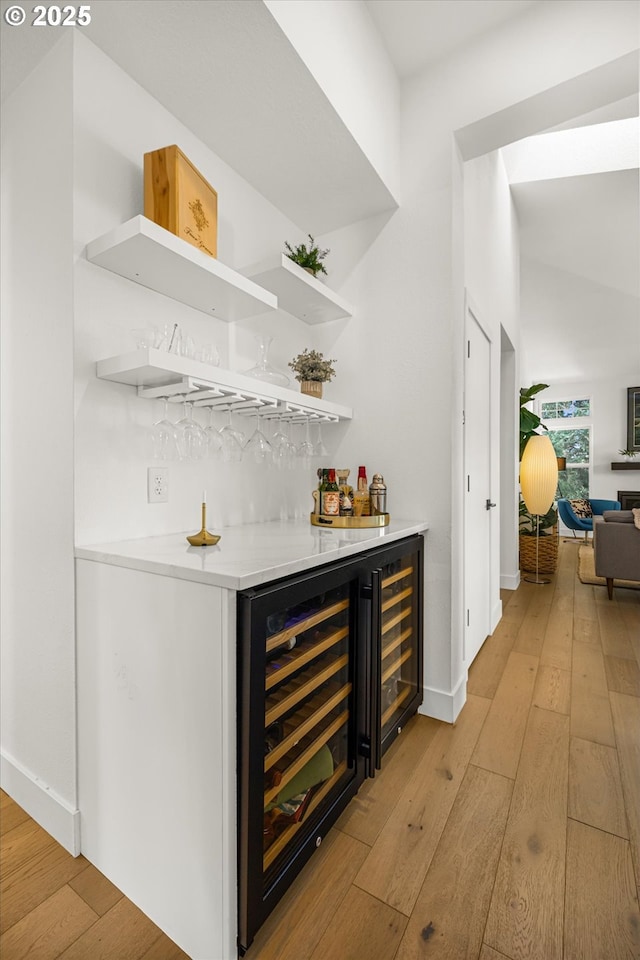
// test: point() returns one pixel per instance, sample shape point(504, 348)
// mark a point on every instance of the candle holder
point(204, 538)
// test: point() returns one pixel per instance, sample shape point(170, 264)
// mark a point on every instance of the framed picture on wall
point(633, 418)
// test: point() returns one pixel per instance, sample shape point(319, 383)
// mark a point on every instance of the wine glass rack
point(156, 373)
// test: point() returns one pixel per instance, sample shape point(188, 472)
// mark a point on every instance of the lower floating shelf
point(157, 373)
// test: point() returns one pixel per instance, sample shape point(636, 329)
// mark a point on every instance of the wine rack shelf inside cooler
point(398, 673)
point(306, 714)
point(396, 705)
point(320, 707)
point(302, 686)
point(281, 638)
point(285, 838)
point(310, 747)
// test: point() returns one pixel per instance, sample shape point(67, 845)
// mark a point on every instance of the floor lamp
point(538, 482)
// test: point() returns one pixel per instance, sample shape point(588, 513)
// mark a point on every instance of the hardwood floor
point(512, 835)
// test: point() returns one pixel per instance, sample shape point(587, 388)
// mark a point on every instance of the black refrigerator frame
point(259, 893)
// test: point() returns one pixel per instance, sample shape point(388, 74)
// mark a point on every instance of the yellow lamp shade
point(538, 475)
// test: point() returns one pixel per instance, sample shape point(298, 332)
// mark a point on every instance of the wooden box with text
point(178, 198)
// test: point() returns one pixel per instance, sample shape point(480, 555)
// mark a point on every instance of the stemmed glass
point(191, 437)
point(284, 450)
point(213, 438)
point(305, 447)
point(164, 437)
point(319, 449)
point(257, 446)
point(232, 441)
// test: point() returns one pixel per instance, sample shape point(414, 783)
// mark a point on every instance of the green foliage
point(572, 444)
point(628, 453)
point(527, 522)
point(574, 484)
point(311, 365)
point(529, 421)
point(310, 257)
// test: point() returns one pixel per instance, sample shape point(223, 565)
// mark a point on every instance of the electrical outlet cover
point(157, 485)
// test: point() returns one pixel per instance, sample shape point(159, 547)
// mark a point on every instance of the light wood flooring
point(512, 835)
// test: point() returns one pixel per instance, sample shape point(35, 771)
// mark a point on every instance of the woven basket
point(547, 553)
point(312, 388)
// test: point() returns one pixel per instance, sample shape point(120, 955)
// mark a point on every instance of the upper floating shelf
point(157, 373)
point(298, 292)
point(628, 465)
point(142, 251)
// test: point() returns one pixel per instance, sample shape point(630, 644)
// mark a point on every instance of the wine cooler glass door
point(298, 742)
point(400, 644)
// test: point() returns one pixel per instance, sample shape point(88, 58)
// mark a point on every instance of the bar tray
point(357, 523)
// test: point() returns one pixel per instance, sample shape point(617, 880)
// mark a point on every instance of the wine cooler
point(330, 667)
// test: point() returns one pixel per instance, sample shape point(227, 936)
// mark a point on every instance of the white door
point(477, 509)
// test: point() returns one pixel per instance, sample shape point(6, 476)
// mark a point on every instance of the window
point(575, 445)
point(558, 409)
point(571, 438)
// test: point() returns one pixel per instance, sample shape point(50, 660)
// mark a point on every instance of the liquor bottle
point(346, 502)
point(317, 495)
point(330, 496)
point(361, 502)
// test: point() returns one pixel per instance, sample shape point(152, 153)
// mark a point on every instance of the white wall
point(357, 77)
point(601, 321)
point(605, 326)
point(492, 270)
point(38, 671)
point(115, 123)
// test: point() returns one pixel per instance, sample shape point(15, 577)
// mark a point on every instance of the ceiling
point(417, 33)
point(222, 51)
point(587, 226)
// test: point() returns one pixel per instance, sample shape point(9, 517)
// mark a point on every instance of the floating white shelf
point(297, 291)
point(142, 251)
point(157, 373)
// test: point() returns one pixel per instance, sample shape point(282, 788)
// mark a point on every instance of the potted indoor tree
point(543, 555)
point(308, 257)
point(312, 370)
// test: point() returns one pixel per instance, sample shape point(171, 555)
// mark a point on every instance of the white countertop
point(247, 555)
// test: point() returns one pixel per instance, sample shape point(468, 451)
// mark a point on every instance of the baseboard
point(442, 704)
point(496, 615)
point(510, 581)
point(49, 810)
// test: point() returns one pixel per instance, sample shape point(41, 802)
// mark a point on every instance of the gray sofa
point(616, 542)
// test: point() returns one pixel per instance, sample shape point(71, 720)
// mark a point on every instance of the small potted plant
point(312, 370)
point(309, 258)
point(628, 455)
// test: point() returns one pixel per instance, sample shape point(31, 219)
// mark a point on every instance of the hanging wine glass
point(319, 449)
point(212, 436)
point(164, 437)
point(284, 450)
point(263, 370)
point(191, 436)
point(305, 447)
point(232, 441)
point(257, 447)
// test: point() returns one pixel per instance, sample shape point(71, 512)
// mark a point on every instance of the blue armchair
point(585, 524)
